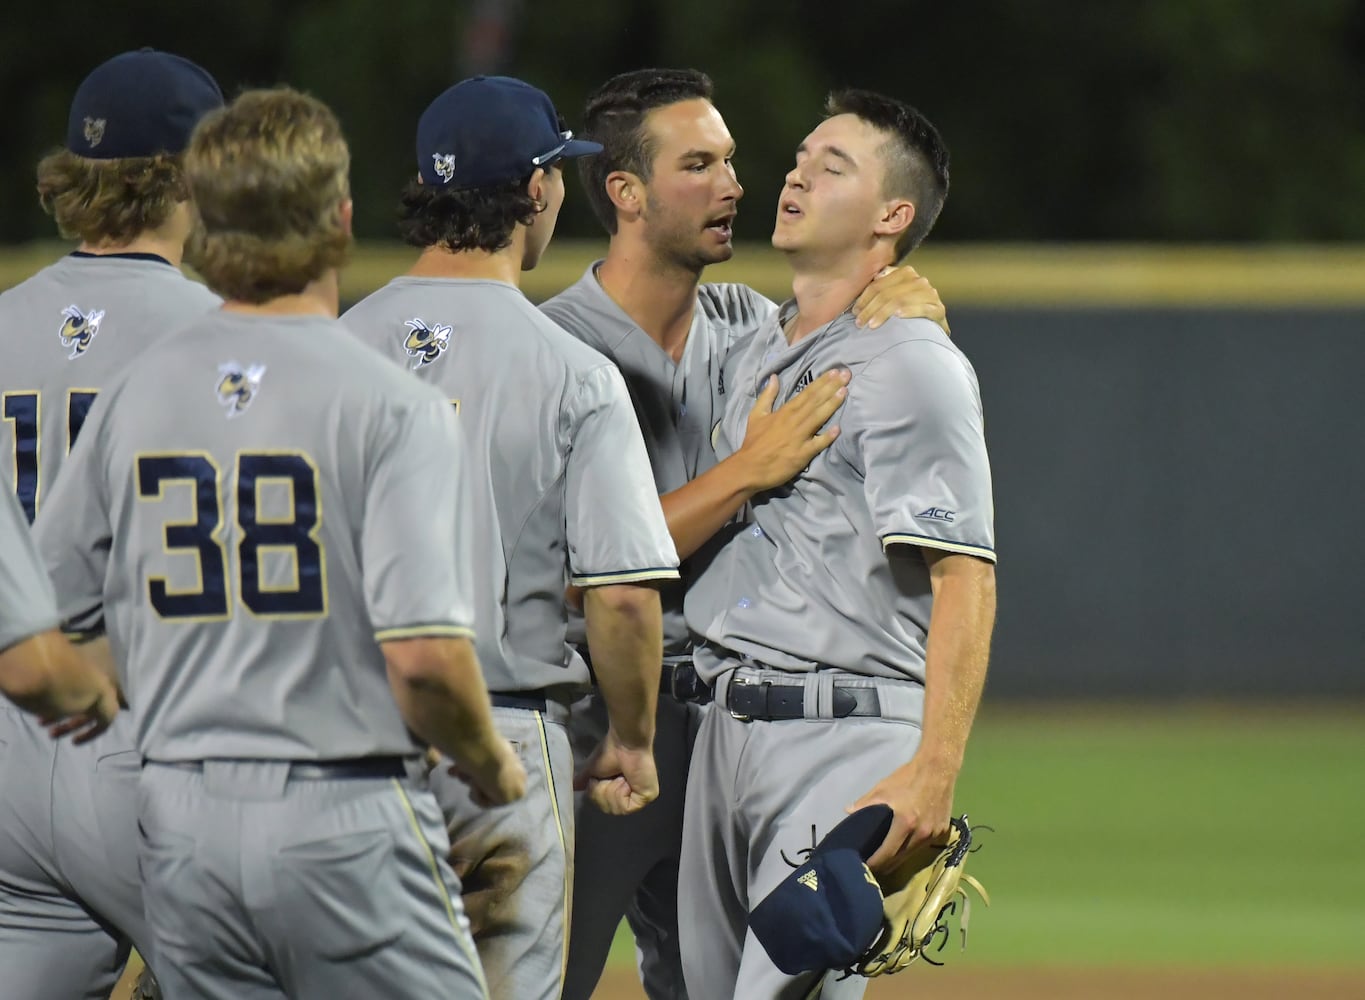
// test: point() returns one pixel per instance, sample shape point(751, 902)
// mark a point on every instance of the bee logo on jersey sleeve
point(425, 343)
point(238, 385)
point(444, 165)
point(93, 131)
point(78, 329)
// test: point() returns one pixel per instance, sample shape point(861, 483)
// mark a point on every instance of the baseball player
point(665, 189)
point(69, 896)
point(39, 670)
point(846, 626)
point(254, 513)
point(563, 478)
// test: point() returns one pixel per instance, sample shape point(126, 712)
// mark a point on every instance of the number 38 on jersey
point(242, 563)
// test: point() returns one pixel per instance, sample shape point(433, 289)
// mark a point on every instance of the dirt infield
point(1069, 984)
point(1080, 984)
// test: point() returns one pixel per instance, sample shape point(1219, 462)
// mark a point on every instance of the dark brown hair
point(615, 117)
point(915, 156)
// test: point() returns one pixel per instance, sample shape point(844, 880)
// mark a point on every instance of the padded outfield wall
point(1177, 440)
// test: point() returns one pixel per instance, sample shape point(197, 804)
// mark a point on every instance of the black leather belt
point(677, 680)
point(314, 770)
point(768, 702)
point(527, 701)
point(681, 682)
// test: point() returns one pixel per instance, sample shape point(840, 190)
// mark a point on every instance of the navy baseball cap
point(826, 913)
point(489, 130)
point(139, 104)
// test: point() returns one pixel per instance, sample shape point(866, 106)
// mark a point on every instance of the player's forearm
point(441, 695)
point(625, 640)
point(46, 676)
point(957, 652)
point(697, 511)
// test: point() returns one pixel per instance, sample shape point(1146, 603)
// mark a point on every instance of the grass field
point(1175, 852)
point(1171, 837)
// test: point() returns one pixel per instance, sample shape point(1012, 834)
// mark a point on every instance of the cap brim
point(578, 147)
point(863, 831)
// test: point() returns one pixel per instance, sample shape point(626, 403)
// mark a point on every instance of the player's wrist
point(744, 470)
point(635, 739)
point(476, 753)
point(941, 760)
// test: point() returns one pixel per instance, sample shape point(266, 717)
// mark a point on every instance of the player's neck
point(825, 288)
point(170, 248)
point(321, 297)
point(166, 241)
point(479, 265)
point(658, 296)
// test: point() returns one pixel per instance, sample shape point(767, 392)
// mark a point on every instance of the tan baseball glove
point(919, 896)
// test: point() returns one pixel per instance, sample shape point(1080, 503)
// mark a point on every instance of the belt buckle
point(737, 682)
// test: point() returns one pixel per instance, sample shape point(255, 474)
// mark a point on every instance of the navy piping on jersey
point(155, 258)
point(663, 571)
point(932, 539)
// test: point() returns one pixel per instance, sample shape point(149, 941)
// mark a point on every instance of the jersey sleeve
point(615, 524)
point(919, 438)
point(28, 605)
point(416, 538)
point(74, 529)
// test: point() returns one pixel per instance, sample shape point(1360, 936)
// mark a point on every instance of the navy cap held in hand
point(827, 912)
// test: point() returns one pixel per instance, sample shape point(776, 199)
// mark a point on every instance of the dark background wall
point(1178, 497)
point(1145, 120)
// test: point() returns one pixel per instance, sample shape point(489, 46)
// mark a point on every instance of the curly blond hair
point(269, 175)
point(110, 201)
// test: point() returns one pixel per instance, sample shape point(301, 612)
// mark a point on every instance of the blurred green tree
point(1215, 120)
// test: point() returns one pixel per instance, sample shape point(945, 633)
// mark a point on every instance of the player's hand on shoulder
point(618, 779)
point(779, 443)
point(920, 795)
point(903, 292)
point(502, 782)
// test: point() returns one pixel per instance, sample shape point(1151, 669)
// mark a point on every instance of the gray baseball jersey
point(555, 453)
point(64, 333)
point(70, 885)
point(677, 404)
point(630, 864)
point(807, 583)
point(27, 603)
point(252, 506)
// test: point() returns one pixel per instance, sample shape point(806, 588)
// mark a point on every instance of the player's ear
point(535, 188)
point(895, 218)
point(346, 213)
point(627, 192)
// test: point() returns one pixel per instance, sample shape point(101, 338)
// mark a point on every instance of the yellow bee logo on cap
point(444, 165)
point(94, 131)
